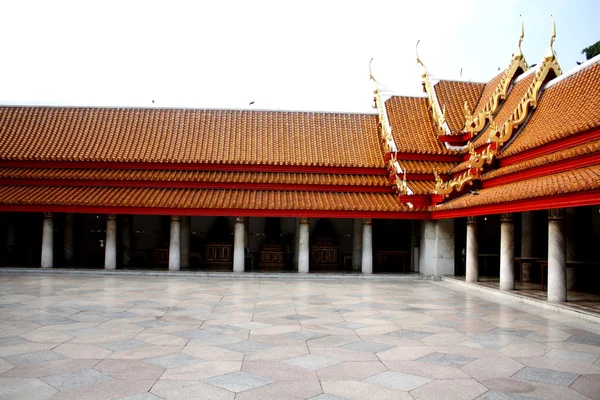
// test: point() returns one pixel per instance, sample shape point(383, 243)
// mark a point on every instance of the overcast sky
point(303, 55)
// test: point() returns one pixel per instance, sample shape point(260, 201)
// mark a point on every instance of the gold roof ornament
point(550, 52)
point(475, 123)
point(499, 135)
point(386, 134)
point(438, 119)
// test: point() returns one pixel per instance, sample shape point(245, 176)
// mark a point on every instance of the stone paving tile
point(312, 362)
point(397, 380)
point(587, 385)
point(50, 368)
point(238, 381)
point(142, 396)
point(126, 344)
point(353, 390)
point(448, 360)
point(74, 379)
point(380, 331)
point(33, 358)
point(349, 325)
point(370, 347)
point(572, 355)
point(173, 360)
point(546, 376)
point(450, 389)
point(25, 389)
point(408, 334)
point(246, 346)
point(129, 369)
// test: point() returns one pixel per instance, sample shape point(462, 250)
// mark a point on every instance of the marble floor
point(149, 337)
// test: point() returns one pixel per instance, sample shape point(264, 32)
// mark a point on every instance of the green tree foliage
point(591, 51)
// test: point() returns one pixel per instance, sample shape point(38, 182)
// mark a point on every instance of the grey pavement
point(166, 337)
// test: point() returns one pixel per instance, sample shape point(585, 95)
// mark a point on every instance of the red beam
point(224, 212)
point(196, 167)
point(552, 147)
point(418, 177)
point(456, 140)
point(424, 157)
point(589, 198)
point(196, 185)
point(543, 170)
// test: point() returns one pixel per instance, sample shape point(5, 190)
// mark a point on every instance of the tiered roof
point(533, 142)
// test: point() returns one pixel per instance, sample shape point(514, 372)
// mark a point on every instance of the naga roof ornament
point(438, 118)
point(475, 123)
point(499, 135)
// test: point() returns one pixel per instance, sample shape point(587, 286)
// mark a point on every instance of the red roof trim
point(424, 157)
point(224, 212)
point(551, 147)
point(548, 169)
point(197, 185)
point(196, 167)
point(589, 198)
point(456, 140)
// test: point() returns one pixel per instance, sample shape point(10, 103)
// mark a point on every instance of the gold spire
point(550, 53)
point(519, 53)
point(438, 119)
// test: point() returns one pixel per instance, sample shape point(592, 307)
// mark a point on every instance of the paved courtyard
point(152, 337)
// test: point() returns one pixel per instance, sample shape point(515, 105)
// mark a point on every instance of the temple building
point(498, 179)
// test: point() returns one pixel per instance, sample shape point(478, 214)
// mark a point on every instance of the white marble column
point(238, 245)
point(557, 262)
point(472, 256)
point(175, 244)
point(185, 241)
point(303, 250)
point(48, 241)
point(367, 246)
point(126, 240)
point(110, 249)
point(68, 249)
point(526, 243)
point(507, 252)
point(357, 245)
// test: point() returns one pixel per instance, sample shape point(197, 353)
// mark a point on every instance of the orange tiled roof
point(412, 126)
point(421, 187)
point(507, 108)
point(199, 199)
point(572, 152)
point(487, 92)
point(426, 167)
point(578, 180)
point(566, 108)
point(452, 95)
point(189, 136)
point(194, 176)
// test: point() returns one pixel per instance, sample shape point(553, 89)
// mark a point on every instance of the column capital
point(175, 218)
point(506, 217)
point(367, 221)
point(304, 220)
point(471, 220)
point(239, 219)
point(111, 217)
point(555, 214)
point(48, 215)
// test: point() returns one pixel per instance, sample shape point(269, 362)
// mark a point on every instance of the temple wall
point(436, 256)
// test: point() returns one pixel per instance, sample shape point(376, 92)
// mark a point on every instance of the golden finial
point(419, 59)
point(550, 53)
point(518, 53)
point(370, 71)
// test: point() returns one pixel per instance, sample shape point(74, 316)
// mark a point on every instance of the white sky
point(303, 55)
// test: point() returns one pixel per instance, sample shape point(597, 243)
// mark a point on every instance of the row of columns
point(557, 266)
point(179, 243)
